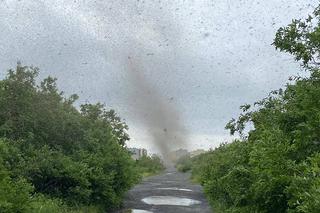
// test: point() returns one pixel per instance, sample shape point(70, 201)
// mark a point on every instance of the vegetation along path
point(169, 192)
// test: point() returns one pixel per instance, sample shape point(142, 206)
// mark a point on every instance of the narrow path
point(170, 192)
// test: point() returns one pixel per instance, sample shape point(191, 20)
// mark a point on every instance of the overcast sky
point(204, 58)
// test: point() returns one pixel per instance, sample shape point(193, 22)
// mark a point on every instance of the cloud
point(205, 57)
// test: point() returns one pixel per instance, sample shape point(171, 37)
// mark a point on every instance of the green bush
point(275, 167)
point(41, 204)
point(304, 188)
point(184, 164)
point(149, 165)
point(76, 159)
point(15, 194)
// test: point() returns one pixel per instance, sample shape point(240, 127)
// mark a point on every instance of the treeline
point(184, 163)
point(275, 167)
point(54, 157)
point(150, 165)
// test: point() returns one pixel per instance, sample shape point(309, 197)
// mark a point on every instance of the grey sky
point(204, 57)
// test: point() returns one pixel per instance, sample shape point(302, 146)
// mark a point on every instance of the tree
point(119, 127)
point(99, 113)
point(275, 165)
point(62, 156)
point(301, 38)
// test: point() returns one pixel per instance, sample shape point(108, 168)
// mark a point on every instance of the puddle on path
point(169, 200)
point(175, 189)
point(170, 181)
point(136, 211)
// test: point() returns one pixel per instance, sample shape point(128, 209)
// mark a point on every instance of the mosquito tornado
point(158, 114)
point(146, 49)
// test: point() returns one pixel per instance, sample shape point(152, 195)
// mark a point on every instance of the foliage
point(150, 165)
point(302, 39)
point(42, 204)
point(275, 166)
point(304, 187)
point(53, 157)
point(184, 164)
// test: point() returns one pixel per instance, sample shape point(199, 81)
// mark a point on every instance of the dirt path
point(170, 192)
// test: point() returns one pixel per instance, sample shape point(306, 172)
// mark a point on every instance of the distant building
point(177, 154)
point(197, 152)
point(136, 153)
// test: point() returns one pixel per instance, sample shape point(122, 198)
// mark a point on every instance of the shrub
point(150, 165)
point(74, 158)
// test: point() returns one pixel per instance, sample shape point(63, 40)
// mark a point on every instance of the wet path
point(170, 192)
